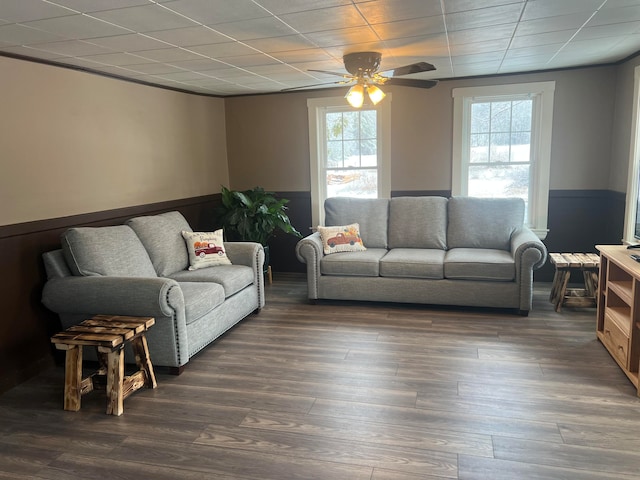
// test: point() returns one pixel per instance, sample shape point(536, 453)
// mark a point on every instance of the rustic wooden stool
point(565, 263)
point(109, 334)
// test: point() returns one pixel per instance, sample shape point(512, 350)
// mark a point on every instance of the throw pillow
point(206, 249)
point(343, 238)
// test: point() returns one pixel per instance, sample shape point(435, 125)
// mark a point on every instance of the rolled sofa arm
point(113, 295)
point(250, 254)
point(528, 249)
point(309, 250)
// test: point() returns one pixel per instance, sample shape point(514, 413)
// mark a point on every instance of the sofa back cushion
point(483, 222)
point(161, 236)
point(108, 251)
point(418, 222)
point(371, 214)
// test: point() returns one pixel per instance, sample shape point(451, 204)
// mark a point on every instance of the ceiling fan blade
point(411, 82)
point(343, 75)
point(346, 82)
point(413, 68)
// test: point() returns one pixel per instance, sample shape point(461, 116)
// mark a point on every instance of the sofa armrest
point(309, 250)
point(528, 250)
point(250, 254)
point(154, 297)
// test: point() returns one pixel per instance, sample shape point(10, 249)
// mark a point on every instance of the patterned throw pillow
point(206, 249)
point(344, 238)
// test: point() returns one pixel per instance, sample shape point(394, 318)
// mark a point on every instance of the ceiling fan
point(363, 73)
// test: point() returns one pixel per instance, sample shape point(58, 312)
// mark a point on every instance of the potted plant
point(254, 216)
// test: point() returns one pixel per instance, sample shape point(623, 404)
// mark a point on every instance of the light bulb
point(355, 96)
point(375, 94)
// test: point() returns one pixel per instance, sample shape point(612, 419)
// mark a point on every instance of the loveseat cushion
point(162, 238)
point(483, 222)
point(371, 214)
point(479, 264)
point(418, 222)
point(109, 251)
point(200, 298)
point(413, 263)
point(232, 278)
point(362, 264)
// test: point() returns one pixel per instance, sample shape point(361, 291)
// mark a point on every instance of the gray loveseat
point(430, 250)
point(141, 269)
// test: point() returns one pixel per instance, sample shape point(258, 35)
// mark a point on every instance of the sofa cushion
point(363, 264)
point(205, 249)
point(343, 238)
point(413, 263)
point(483, 222)
point(371, 214)
point(108, 251)
point(233, 278)
point(479, 264)
point(161, 237)
point(418, 222)
point(200, 298)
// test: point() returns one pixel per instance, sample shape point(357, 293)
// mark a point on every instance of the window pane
point(351, 125)
point(334, 154)
point(334, 126)
point(479, 148)
point(500, 146)
point(521, 147)
point(521, 116)
point(368, 125)
point(500, 116)
point(352, 183)
point(480, 116)
point(351, 153)
point(499, 181)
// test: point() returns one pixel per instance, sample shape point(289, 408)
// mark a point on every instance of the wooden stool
point(109, 334)
point(588, 264)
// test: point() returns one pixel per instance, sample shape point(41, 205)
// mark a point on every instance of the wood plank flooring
point(351, 391)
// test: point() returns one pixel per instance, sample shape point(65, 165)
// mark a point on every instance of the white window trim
point(634, 166)
point(540, 144)
point(316, 109)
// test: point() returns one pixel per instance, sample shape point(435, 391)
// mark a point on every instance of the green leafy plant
point(254, 215)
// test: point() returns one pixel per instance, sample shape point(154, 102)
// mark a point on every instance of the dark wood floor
point(351, 391)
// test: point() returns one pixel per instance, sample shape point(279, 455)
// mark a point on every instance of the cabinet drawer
point(615, 340)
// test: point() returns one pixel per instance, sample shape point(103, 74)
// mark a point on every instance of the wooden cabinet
point(618, 325)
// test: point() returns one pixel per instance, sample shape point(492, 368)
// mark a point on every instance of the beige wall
point(73, 142)
point(268, 135)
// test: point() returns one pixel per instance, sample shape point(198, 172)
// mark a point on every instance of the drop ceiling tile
point(484, 17)
point(480, 47)
point(601, 31)
point(117, 59)
point(249, 60)
point(30, 52)
point(255, 28)
point(486, 58)
point(480, 68)
point(145, 18)
point(546, 51)
point(19, 11)
point(421, 47)
point(153, 68)
point(88, 6)
point(203, 64)
point(549, 38)
point(227, 49)
point(281, 44)
point(72, 48)
point(181, 76)
point(554, 24)
point(344, 36)
point(169, 55)
point(615, 15)
point(189, 36)
point(410, 28)
point(210, 12)
point(306, 55)
point(325, 19)
point(473, 35)
point(453, 6)
point(384, 11)
point(279, 7)
point(22, 35)
point(554, 8)
point(132, 42)
point(77, 26)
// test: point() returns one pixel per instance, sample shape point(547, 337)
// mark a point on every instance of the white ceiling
point(236, 47)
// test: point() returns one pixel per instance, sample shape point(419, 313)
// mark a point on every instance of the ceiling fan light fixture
point(355, 96)
point(375, 94)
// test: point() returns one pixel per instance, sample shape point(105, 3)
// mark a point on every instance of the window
point(349, 151)
point(502, 145)
point(632, 211)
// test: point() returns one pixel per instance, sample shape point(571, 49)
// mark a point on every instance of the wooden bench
point(565, 263)
point(108, 334)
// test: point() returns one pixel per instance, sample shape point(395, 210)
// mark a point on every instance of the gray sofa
point(141, 269)
point(430, 250)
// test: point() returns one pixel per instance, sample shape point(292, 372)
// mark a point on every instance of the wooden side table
point(565, 263)
point(108, 334)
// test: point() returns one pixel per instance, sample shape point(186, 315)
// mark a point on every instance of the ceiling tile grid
point(222, 47)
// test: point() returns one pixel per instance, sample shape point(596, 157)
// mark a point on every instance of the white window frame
point(317, 108)
point(541, 130)
point(634, 166)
